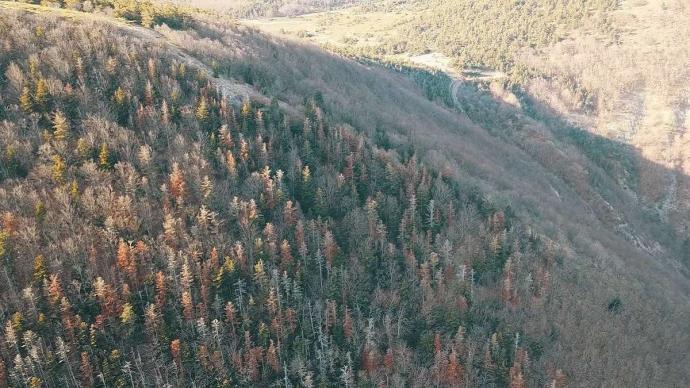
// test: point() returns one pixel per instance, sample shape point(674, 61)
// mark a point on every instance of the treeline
point(152, 233)
point(143, 12)
point(272, 8)
point(479, 34)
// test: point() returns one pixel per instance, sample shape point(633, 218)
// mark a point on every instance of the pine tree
point(347, 324)
point(244, 150)
point(25, 100)
point(110, 65)
point(272, 358)
point(86, 370)
point(202, 110)
point(59, 169)
point(178, 187)
point(123, 255)
point(104, 157)
point(3, 374)
point(161, 289)
point(517, 380)
point(122, 110)
point(206, 187)
point(453, 375)
point(41, 96)
point(165, 113)
point(74, 190)
point(147, 16)
point(40, 271)
point(148, 93)
point(60, 126)
point(329, 247)
point(175, 348)
point(72, 4)
point(388, 361)
point(246, 113)
point(83, 148)
point(35, 382)
point(54, 289)
point(187, 307)
point(4, 237)
point(285, 254)
point(151, 66)
point(231, 163)
point(230, 314)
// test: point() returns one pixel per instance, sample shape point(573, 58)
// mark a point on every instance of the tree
point(347, 324)
point(59, 169)
point(127, 315)
point(3, 374)
point(231, 163)
point(202, 110)
point(4, 236)
point(178, 187)
point(25, 100)
point(148, 93)
point(206, 187)
point(122, 110)
point(285, 254)
point(74, 190)
point(329, 247)
point(272, 358)
point(244, 150)
point(454, 374)
point(60, 126)
point(35, 382)
point(147, 16)
point(246, 114)
point(54, 289)
point(41, 96)
point(161, 289)
point(72, 4)
point(86, 370)
point(123, 256)
point(517, 380)
point(175, 347)
point(104, 157)
point(165, 113)
point(187, 307)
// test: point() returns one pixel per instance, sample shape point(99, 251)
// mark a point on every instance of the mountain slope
point(353, 280)
point(155, 234)
point(615, 69)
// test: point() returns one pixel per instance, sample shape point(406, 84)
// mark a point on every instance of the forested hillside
point(264, 8)
point(617, 69)
point(186, 201)
point(153, 234)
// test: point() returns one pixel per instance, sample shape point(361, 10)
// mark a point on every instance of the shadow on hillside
point(617, 192)
point(579, 189)
point(529, 156)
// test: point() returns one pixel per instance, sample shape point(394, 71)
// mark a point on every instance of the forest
point(302, 193)
point(154, 233)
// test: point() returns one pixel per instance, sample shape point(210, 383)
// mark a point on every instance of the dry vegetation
point(338, 229)
point(155, 234)
point(267, 8)
point(636, 92)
